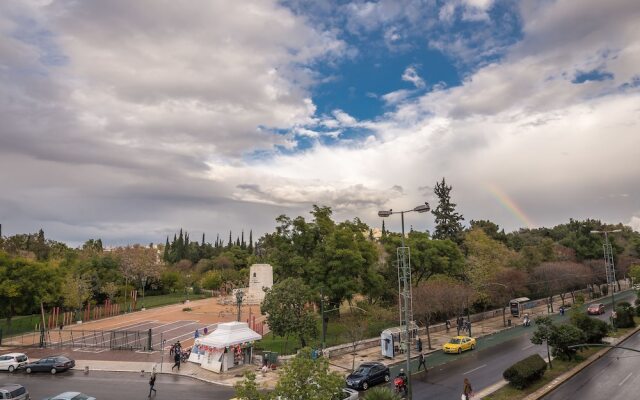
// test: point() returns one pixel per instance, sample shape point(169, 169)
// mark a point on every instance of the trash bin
point(509, 322)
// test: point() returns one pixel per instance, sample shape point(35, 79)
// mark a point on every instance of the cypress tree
point(243, 245)
point(251, 241)
point(202, 239)
point(384, 230)
point(230, 241)
point(447, 220)
point(165, 256)
point(238, 241)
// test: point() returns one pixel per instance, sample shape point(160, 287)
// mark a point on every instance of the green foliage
point(526, 371)
point(382, 393)
point(247, 389)
point(170, 281)
point(448, 225)
point(564, 336)
point(625, 315)
point(211, 280)
point(304, 378)
point(634, 273)
point(594, 329)
point(285, 304)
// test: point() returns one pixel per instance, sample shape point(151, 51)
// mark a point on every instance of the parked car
point(14, 391)
point(53, 364)
point(595, 309)
point(349, 394)
point(12, 361)
point(367, 375)
point(458, 344)
point(71, 396)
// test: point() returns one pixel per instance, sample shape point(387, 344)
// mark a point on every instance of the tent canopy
point(229, 334)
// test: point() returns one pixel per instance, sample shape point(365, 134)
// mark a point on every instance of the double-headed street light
point(404, 285)
point(610, 269)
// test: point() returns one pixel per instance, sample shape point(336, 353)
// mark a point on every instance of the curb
point(157, 373)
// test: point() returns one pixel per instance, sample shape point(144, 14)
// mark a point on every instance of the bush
point(525, 372)
point(186, 309)
point(562, 337)
point(593, 328)
point(625, 315)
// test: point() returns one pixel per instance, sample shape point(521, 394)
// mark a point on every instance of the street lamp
point(610, 269)
point(239, 296)
point(144, 283)
point(405, 285)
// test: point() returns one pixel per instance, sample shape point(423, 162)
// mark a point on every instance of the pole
point(406, 311)
point(126, 284)
point(613, 283)
point(324, 322)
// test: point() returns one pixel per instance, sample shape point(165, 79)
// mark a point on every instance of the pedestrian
point(447, 324)
point(172, 349)
point(206, 330)
point(152, 382)
point(422, 362)
point(176, 359)
point(419, 345)
point(197, 334)
point(467, 390)
point(561, 310)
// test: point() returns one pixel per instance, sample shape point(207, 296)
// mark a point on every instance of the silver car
point(72, 396)
point(13, 361)
point(14, 391)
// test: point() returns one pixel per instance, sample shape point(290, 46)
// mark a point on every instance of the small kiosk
point(229, 346)
point(392, 340)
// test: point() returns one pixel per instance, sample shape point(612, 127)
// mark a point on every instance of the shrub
point(525, 372)
point(625, 315)
point(562, 337)
point(593, 328)
point(186, 309)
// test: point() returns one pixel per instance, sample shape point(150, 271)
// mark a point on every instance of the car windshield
point(455, 341)
point(362, 371)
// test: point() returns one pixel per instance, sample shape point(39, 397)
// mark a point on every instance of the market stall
point(229, 346)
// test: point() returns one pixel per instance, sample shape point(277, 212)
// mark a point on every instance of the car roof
point(65, 395)
point(8, 385)
point(14, 354)
point(461, 337)
point(371, 364)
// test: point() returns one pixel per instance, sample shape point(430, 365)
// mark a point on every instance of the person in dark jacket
point(152, 382)
point(467, 390)
point(176, 359)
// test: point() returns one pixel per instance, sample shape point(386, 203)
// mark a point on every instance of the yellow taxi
point(458, 344)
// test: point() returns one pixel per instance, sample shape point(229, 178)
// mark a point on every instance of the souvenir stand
point(229, 346)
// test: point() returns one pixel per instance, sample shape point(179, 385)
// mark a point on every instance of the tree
point(212, 280)
point(485, 257)
point(307, 379)
point(430, 300)
point(543, 334)
point(356, 325)
point(285, 304)
point(247, 389)
point(109, 289)
point(24, 284)
point(76, 291)
point(137, 262)
point(447, 221)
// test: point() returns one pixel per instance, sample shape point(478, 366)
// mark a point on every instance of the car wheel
point(473, 347)
point(459, 350)
point(365, 385)
point(28, 370)
point(387, 378)
point(11, 368)
point(53, 371)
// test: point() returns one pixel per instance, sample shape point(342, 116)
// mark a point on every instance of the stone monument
point(260, 277)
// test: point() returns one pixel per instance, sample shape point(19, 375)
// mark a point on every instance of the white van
point(14, 391)
point(12, 361)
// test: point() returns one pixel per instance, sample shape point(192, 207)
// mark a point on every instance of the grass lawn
point(559, 367)
point(20, 324)
point(623, 331)
point(166, 299)
point(336, 334)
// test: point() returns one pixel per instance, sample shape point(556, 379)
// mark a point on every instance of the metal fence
point(83, 339)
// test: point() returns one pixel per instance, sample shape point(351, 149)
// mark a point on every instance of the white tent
point(230, 345)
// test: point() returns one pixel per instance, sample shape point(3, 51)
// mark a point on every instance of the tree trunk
point(429, 336)
point(504, 317)
point(562, 295)
point(303, 342)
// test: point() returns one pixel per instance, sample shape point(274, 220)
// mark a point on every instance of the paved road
point(614, 376)
point(116, 385)
point(483, 366)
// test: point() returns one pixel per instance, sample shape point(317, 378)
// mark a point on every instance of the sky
point(127, 121)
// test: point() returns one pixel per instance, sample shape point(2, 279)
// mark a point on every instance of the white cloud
point(411, 75)
point(634, 223)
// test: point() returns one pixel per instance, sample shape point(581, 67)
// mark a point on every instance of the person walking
point(176, 359)
point(467, 390)
point(197, 334)
point(206, 331)
point(422, 362)
point(419, 345)
point(152, 383)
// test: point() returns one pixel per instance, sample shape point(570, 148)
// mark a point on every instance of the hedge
point(526, 371)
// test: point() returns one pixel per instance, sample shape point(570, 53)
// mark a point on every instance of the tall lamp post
point(404, 275)
point(610, 269)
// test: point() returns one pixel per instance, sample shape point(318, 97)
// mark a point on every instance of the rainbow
point(510, 205)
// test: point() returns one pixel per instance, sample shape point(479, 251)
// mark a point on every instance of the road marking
point(475, 369)
point(625, 379)
point(528, 347)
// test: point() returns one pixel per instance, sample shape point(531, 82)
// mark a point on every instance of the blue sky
point(128, 120)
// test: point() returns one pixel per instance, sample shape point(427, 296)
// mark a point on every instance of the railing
point(82, 339)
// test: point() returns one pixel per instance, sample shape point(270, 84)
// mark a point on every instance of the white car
point(72, 396)
point(12, 361)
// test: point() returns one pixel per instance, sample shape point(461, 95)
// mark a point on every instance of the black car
point(368, 374)
point(51, 364)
